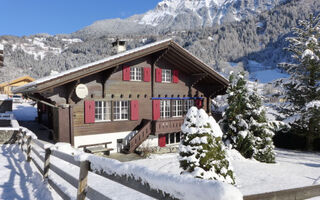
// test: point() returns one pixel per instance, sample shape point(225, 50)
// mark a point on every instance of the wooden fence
point(29, 145)
point(289, 194)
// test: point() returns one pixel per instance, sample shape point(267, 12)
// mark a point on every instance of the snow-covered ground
point(293, 169)
point(24, 111)
point(20, 179)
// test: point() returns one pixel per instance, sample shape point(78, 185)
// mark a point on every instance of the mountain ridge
point(255, 43)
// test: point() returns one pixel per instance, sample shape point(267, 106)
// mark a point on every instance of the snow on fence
point(155, 184)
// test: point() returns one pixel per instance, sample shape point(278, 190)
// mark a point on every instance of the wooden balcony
point(169, 125)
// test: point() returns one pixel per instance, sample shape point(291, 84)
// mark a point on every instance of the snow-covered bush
point(202, 152)
point(302, 87)
point(245, 124)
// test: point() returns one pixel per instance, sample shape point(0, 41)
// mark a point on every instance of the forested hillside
point(255, 43)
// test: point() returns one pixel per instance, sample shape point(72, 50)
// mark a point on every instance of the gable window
point(164, 108)
point(121, 110)
point(166, 76)
point(135, 74)
point(102, 111)
point(188, 103)
point(177, 109)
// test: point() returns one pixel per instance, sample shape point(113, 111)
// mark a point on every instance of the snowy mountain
point(181, 15)
point(203, 12)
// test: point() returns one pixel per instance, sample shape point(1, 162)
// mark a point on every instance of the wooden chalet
point(139, 95)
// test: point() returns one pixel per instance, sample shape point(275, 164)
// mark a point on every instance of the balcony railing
point(167, 125)
point(141, 136)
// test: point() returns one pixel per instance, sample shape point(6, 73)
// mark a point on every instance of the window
point(166, 75)
point(165, 108)
point(188, 103)
point(135, 74)
point(173, 138)
point(102, 111)
point(177, 109)
point(121, 110)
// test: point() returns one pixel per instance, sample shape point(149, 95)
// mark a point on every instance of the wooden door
point(162, 140)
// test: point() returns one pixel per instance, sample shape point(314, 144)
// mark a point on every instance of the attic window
point(135, 74)
point(166, 76)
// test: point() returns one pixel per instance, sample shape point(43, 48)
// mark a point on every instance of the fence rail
point(295, 193)
point(29, 145)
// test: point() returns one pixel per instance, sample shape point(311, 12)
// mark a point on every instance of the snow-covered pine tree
point(261, 129)
point(235, 120)
point(303, 85)
point(245, 124)
point(202, 152)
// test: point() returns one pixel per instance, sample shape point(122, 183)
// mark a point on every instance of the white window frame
point(166, 76)
point(177, 108)
point(187, 104)
point(102, 111)
point(120, 110)
point(135, 74)
point(168, 142)
point(165, 109)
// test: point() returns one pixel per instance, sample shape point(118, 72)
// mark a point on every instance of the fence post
point(19, 136)
point(46, 163)
point(28, 148)
point(23, 137)
point(83, 177)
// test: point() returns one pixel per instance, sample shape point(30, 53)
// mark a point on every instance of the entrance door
point(162, 140)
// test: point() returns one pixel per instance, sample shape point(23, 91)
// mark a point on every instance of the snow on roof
point(33, 84)
point(1, 46)
point(48, 78)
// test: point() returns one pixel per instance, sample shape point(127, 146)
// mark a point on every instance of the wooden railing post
point(83, 179)
point(19, 136)
point(46, 163)
point(23, 137)
point(28, 148)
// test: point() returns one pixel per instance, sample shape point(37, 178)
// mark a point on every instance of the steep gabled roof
point(79, 72)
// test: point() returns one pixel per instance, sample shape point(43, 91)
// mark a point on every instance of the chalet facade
point(140, 95)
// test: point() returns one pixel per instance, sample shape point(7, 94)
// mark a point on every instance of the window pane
point(166, 75)
point(135, 73)
point(177, 137)
point(171, 138)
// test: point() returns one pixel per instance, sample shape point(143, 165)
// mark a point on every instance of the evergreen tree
point(245, 124)
point(302, 87)
point(235, 119)
point(261, 130)
point(202, 152)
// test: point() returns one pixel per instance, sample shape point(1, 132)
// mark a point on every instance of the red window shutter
point(126, 73)
point(155, 109)
point(89, 112)
point(134, 110)
point(175, 74)
point(146, 74)
point(199, 103)
point(162, 140)
point(158, 75)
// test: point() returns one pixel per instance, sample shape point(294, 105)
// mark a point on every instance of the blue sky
point(27, 17)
